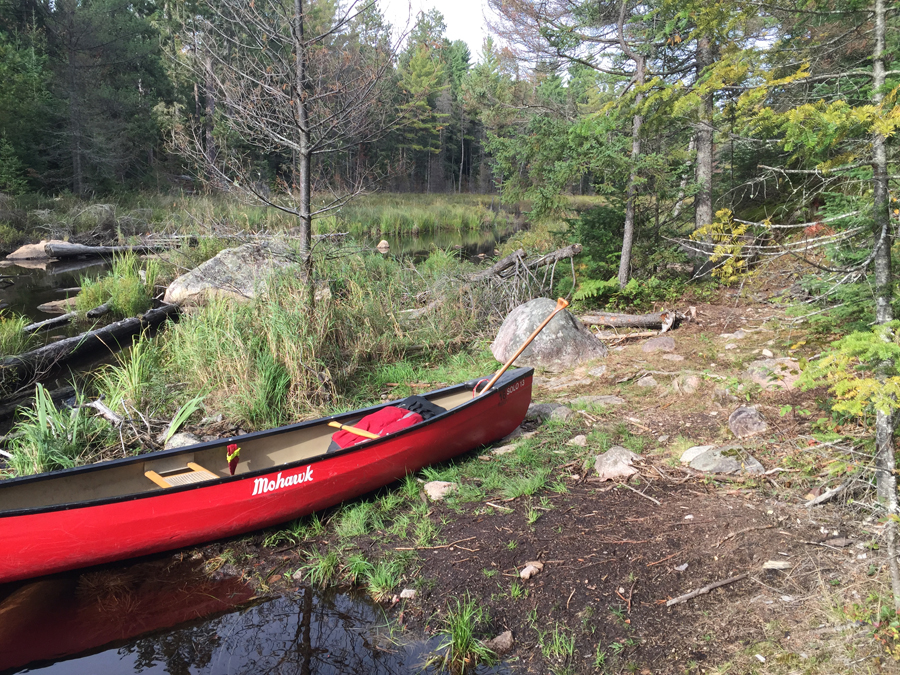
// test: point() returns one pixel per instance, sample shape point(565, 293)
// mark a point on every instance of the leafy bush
point(637, 293)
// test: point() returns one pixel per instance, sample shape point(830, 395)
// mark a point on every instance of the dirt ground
point(615, 557)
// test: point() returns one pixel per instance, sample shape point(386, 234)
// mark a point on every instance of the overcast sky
point(464, 18)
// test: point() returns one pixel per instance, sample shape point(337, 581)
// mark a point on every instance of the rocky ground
point(596, 576)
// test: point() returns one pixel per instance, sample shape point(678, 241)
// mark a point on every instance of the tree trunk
point(703, 213)
point(628, 236)
point(654, 320)
point(305, 159)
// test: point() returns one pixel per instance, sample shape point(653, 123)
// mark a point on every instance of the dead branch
point(706, 589)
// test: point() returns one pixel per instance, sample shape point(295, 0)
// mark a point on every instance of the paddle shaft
point(353, 430)
point(561, 304)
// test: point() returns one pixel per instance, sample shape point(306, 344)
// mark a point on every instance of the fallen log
point(664, 320)
point(27, 367)
point(64, 251)
point(57, 321)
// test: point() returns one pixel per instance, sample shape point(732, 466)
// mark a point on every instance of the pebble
point(767, 353)
point(580, 440)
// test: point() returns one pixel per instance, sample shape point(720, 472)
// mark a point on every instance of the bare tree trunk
point(703, 213)
point(304, 160)
point(885, 460)
point(628, 235)
point(210, 102)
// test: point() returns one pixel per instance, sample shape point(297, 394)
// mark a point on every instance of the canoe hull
point(79, 535)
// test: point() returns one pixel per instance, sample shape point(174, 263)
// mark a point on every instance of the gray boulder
point(564, 342)
point(746, 421)
point(617, 462)
point(729, 459)
point(538, 412)
point(774, 374)
point(240, 273)
point(663, 343)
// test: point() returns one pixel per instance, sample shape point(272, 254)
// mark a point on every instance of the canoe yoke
point(192, 473)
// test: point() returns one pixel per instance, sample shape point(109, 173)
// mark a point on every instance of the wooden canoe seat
point(192, 473)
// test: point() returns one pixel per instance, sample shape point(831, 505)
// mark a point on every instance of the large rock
point(564, 342)
point(539, 412)
point(241, 273)
point(662, 343)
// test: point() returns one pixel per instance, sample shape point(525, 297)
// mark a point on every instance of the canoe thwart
point(192, 473)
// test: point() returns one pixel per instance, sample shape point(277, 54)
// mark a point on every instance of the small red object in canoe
point(166, 500)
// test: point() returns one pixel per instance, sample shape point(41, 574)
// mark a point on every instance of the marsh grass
point(127, 287)
point(459, 644)
point(131, 381)
point(383, 577)
point(13, 340)
point(46, 438)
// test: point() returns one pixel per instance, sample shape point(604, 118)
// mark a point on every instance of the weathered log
point(7, 408)
point(664, 319)
point(498, 266)
point(65, 251)
point(19, 369)
point(62, 320)
point(549, 259)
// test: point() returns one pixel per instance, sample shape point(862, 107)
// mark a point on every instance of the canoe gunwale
point(505, 380)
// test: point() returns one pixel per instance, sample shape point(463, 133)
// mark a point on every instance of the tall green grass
point(272, 360)
point(46, 438)
point(13, 340)
point(127, 288)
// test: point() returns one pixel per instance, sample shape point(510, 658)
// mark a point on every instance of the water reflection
point(472, 244)
point(34, 282)
point(305, 633)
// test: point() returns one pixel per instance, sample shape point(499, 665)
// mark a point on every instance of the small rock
point(580, 441)
point(438, 489)
point(689, 517)
point(691, 453)
point(383, 246)
point(503, 449)
point(839, 542)
point(731, 345)
point(599, 371)
point(408, 594)
point(681, 568)
point(567, 383)
point(738, 335)
point(663, 439)
point(297, 576)
point(728, 459)
point(617, 462)
point(722, 395)
point(673, 357)
point(597, 400)
point(530, 569)
point(647, 381)
point(768, 354)
point(746, 421)
point(181, 440)
point(518, 432)
point(538, 412)
point(688, 384)
point(502, 644)
point(663, 343)
point(772, 374)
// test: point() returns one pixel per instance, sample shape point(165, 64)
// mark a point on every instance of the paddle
point(561, 304)
point(353, 430)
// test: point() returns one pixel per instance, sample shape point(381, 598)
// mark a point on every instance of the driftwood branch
point(104, 411)
point(705, 589)
point(19, 369)
point(63, 251)
point(63, 319)
point(663, 320)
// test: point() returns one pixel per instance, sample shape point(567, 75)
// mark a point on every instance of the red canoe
point(119, 509)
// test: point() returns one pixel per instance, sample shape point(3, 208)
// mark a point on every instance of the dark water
point(33, 283)
point(471, 244)
point(167, 617)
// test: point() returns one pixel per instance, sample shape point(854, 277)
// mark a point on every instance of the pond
point(166, 616)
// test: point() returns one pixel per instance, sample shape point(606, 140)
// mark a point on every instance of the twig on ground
point(497, 506)
point(655, 501)
point(746, 529)
point(706, 589)
point(429, 548)
point(668, 557)
point(829, 494)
